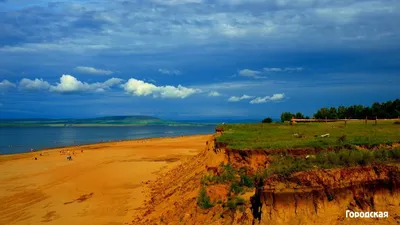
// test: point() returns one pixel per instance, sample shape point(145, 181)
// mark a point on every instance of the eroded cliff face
point(322, 197)
point(308, 197)
point(257, 159)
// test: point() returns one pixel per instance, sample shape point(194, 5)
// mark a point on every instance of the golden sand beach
point(102, 185)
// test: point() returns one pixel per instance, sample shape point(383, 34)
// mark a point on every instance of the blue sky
point(194, 59)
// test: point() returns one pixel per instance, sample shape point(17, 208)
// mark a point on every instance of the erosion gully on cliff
point(314, 196)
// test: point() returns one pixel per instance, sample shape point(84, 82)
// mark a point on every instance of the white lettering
point(352, 214)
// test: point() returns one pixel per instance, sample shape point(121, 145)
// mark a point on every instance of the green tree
point(376, 108)
point(367, 112)
point(332, 113)
point(341, 112)
point(389, 109)
point(322, 113)
point(299, 115)
point(286, 116)
point(359, 112)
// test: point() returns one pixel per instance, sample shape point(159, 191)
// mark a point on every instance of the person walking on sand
point(69, 157)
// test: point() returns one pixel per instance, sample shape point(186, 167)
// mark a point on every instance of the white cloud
point(176, 92)
point(236, 99)
point(287, 69)
point(69, 84)
point(272, 69)
point(5, 85)
point(141, 88)
point(250, 73)
point(92, 70)
point(214, 93)
point(169, 72)
point(112, 81)
point(37, 84)
point(274, 97)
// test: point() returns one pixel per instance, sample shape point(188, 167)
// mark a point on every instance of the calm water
point(22, 139)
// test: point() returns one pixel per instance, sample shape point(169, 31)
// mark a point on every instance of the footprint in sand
point(50, 216)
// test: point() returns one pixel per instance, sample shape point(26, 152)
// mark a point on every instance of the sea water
point(24, 139)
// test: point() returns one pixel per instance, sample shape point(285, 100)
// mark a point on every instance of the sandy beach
point(104, 184)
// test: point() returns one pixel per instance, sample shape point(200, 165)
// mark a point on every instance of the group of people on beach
point(68, 153)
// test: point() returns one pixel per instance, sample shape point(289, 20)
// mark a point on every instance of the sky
point(195, 59)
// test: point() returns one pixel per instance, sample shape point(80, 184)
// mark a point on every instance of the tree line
point(384, 110)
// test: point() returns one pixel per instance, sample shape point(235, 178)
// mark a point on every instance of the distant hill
point(99, 121)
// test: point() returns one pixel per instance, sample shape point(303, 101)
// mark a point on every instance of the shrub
point(235, 188)
point(264, 174)
point(394, 153)
point(203, 200)
point(381, 155)
point(333, 158)
point(246, 180)
point(355, 158)
point(368, 158)
point(236, 201)
point(207, 179)
point(228, 173)
point(284, 170)
point(267, 120)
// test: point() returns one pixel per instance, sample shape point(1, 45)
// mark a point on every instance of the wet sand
point(103, 185)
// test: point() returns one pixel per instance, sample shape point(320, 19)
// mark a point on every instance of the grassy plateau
point(303, 135)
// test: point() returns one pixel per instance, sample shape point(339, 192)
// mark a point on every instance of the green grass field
point(282, 136)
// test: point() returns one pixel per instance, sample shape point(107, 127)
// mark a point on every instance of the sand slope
point(103, 185)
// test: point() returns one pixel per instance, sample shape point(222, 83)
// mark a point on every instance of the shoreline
point(52, 149)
